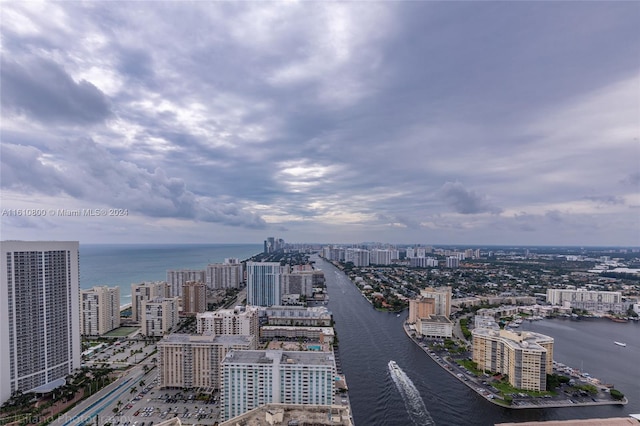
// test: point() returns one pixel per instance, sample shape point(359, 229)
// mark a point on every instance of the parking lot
point(149, 405)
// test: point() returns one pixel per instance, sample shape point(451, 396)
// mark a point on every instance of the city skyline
point(426, 122)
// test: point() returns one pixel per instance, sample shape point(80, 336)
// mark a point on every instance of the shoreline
point(475, 386)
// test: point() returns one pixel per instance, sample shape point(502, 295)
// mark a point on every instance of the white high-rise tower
point(39, 315)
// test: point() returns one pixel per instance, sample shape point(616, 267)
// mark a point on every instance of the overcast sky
point(400, 122)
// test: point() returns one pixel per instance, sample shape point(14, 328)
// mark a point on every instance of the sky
point(329, 122)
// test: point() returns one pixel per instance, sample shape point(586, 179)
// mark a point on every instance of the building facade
point(236, 321)
point(159, 316)
point(441, 297)
point(99, 310)
point(193, 361)
point(177, 278)
point(146, 291)
point(526, 357)
point(589, 300)
point(225, 275)
point(39, 315)
point(253, 378)
point(194, 297)
point(264, 282)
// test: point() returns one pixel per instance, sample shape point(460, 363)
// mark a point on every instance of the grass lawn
point(121, 332)
point(506, 389)
point(469, 365)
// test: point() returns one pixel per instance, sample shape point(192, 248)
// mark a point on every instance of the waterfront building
point(99, 310)
point(146, 291)
point(441, 297)
point(382, 256)
point(316, 334)
point(159, 316)
point(421, 308)
point(264, 281)
point(291, 414)
point(225, 275)
point(589, 300)
point(254, 378)
point(317, 316)
point(525, 357)
point(39, 315)
point(359, 257)
point(194, 297)
point(193, 361)
point(238, 321)
point(410, 253)
point(332, 253)
point(434, 326)
point(302, 282)
point(177, 278)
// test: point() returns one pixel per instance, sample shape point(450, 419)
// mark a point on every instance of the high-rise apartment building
point(453, 262)
point(39, 315)
point(194, 297)
point(237, 321)
point(193, 361)
point(421, 308)
point(359, 257)
point(146, 291)
point(525, 357)
point(590, 300)
point(264, 281)
point(176, 278)
point(253, 378)
point(302, 282)
point(225, 275)
point(159, 316)
point(99, 310)
point(441, 297)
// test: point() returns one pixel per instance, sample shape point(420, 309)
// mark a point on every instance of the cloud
point(466, 201)
point(89, 172)
point(605, 199)
point(42, 90)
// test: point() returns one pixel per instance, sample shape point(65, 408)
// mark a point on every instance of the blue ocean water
point(126, 264)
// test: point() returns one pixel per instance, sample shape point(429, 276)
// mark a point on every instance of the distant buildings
point(146, 291)
point(176, 279)
point(193, 361)
point(254, 378)
point(159, 316)
point(39, 315)
point(359, 257)
point(453, 262)
point(99, 310)
point(589, 300)
point(271, 245)
point(318, 316)
point(194, 297)
point(225, 275)
point(264, 281)
point(525, 357)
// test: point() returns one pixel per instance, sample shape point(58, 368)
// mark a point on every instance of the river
point(370, 339)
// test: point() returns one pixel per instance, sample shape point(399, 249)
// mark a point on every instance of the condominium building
point(253, 378)
point(317, 316)
point(423, 262)
point(194, 297)
point(39, 315)
point(264, 281)
point(421, 308)
point(193, 361)
point(434, 326)
point(525, 357)
point(146, 291)
point(589, 300)
point(333, 253)
point(159, 316)
point(242, 321)
point(441, 297)
point(453, 262)
point(382, 256)
point(225, 275)
point(177, 278)
point(99, 310)
point(359, 257)
point(301, 282)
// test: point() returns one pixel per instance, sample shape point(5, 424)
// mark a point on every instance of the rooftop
point(293, 415)
point(280, 357)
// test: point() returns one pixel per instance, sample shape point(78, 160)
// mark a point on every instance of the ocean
point(125, 264)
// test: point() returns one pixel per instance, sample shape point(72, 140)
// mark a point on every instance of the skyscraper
point(263, 283)
point(39, 315)
point(99, 310)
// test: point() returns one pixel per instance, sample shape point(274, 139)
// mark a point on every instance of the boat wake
point(411, 396)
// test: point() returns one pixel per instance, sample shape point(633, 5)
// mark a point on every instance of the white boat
point(620, 344)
